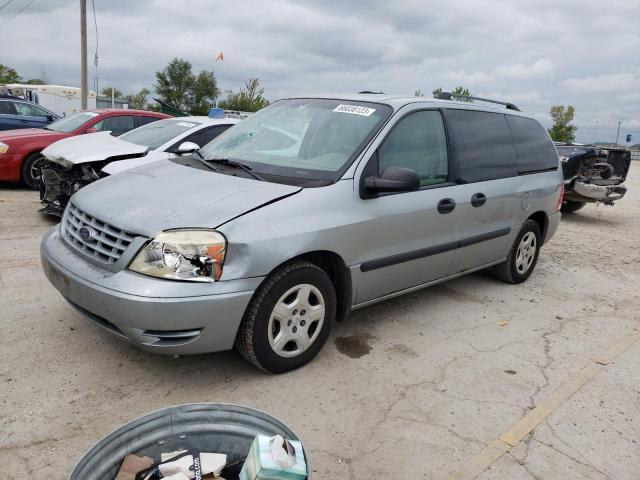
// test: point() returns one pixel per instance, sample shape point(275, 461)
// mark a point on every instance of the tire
point(277, 337)
point(27, 171)
point(516, 269)
point(569, 206)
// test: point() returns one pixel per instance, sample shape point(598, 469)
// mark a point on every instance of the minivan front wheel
point(289, 318)
point(523, 255)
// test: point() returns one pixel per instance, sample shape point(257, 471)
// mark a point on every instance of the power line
point(17, 13)
point(5, 4)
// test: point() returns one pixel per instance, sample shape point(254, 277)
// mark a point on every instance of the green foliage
point(138, 100)
point(107, 91)
point(178, 86)
point(248, 99)
point(35, 81)
point(9, 75)
point(456, 91)
point(562, 130)
point(418, 93)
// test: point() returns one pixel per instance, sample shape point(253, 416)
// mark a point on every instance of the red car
point(20, 149)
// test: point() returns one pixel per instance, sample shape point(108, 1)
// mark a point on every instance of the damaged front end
point(593, 174)
point(60, 180)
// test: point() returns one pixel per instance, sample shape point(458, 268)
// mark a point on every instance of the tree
point(562, 130)
point(248, 99)
point(138, 100)
point(107, 91)
point(35, 81)
point(418, 93)
point(9, 75)
point(179, 87)
point(454, 92)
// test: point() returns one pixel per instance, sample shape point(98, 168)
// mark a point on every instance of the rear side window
point(418, 142)
point(7, 108)
point(534, 150)
point(483, 145)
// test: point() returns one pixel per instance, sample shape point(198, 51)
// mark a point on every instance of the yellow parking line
point(509, 439)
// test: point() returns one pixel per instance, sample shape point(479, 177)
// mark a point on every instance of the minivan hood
point(165, 195)
point(92, 147)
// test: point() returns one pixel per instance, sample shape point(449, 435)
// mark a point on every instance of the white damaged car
point(75, 162)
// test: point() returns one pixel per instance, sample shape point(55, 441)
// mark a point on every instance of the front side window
point(75, 121)
point(314, 139)
point(158, 133)
point(117, 125)
point(483, 145)
point(27, 110)
point(201, 137)
point(418, 142)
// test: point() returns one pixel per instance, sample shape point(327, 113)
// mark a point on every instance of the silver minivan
point(309, 209)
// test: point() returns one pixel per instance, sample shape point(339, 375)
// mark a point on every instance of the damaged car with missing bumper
point(592, 174)
point(303, 212)
point(75, 162)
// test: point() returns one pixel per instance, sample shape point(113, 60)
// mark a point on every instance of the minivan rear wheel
point(288, 319)
point(523, 255)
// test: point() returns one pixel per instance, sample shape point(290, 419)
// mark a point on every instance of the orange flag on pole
point(220, 57)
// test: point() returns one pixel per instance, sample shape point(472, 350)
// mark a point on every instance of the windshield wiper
point(231, 163)
point(202, 160)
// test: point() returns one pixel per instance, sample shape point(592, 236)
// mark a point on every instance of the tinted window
point(116, 125)
point(482, 144)
point(7, 108)
point(143, 120)
point(418, 142)
point(534, 149)
point(204, 136)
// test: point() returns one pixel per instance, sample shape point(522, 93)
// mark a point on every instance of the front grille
point(105, 243)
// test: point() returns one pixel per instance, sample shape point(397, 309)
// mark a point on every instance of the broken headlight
point(194, 255)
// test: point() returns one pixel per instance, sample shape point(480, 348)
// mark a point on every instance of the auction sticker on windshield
point(355, 109)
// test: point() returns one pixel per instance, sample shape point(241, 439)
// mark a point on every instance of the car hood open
point(93, 147)
point(164, 195)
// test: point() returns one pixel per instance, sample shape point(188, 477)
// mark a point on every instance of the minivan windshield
point(69, 124)
point(313, 139)
point(158, 133)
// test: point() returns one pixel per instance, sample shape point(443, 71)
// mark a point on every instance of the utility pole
point(83, 54)
point(618, 134)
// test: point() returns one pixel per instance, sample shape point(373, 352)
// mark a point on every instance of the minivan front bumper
point(163, 316)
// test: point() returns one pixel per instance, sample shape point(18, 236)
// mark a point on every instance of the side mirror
point(393, 179)
point(91, 130)
point(187, 147)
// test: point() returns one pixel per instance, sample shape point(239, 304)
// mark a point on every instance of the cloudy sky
point(535, 53)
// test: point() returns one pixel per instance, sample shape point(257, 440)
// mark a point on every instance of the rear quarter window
point(534, 150)
point(482, 144)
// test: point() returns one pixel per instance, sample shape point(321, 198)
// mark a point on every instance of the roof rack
point(449, 96)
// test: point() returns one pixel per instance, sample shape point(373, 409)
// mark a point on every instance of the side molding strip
point(428, 251)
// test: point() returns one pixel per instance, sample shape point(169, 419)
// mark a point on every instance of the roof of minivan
point(399, 101)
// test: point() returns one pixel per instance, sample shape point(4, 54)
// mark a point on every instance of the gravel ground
point(410, 388)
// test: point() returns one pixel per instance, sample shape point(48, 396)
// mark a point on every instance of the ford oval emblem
point(86, 233)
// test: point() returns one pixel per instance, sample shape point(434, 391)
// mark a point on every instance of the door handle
point(478, 199)
point(446, 205)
